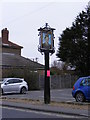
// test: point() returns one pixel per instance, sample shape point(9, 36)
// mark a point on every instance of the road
point(58, 95)
point(9, 113)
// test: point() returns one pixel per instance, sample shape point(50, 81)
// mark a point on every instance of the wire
point(28, 14)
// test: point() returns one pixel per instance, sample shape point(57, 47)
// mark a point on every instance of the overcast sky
point(23, 18)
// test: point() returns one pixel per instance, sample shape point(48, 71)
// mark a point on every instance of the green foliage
point(57, 71)
point(54, 71)
point(31, 77)
point(74, 44)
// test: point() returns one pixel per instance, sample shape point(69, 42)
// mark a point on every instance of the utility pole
point(47, 79)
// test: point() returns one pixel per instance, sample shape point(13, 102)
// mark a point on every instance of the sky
point(23, 18)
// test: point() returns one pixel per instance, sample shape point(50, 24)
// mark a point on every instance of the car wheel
point(23, 90)
point(80, 97)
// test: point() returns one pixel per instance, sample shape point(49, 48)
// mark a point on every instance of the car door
point(89, 88)
point(8, 86)
point(16, 84)
point(84, 87)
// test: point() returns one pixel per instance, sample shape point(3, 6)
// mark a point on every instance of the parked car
point(14, 85)
point(81, 89)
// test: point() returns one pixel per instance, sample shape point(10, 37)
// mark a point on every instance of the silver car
point(14, 85)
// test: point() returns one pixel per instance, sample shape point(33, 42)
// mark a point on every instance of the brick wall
point(11, 50)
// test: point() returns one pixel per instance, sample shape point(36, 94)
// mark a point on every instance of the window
point(17, 80)
point(88, 81)
point(84, 82)
point(10, 81)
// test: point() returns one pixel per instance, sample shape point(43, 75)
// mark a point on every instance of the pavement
point(62, 107)
point(47, 108)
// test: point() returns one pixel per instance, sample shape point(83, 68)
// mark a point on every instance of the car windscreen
point(3, 80)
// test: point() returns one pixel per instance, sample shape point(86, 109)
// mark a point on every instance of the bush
point(31, 77)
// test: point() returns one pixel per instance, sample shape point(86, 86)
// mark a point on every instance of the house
point(12, 63)
point(8, 46)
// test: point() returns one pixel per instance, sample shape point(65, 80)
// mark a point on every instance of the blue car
point(81, 89)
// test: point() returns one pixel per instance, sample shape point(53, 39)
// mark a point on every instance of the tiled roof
point(11, 44)
point(13, 60)
point(5, 40)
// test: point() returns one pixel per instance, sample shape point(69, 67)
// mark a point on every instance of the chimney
point(5, 35)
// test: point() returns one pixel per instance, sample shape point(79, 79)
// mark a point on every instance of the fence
point(36, 81)
point(59, 81)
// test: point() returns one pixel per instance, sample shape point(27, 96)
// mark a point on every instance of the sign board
point(48, 73)
point(46, 40)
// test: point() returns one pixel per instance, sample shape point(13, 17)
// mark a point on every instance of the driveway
point(58, 95)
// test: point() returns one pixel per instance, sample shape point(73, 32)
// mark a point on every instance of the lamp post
point(46, 45)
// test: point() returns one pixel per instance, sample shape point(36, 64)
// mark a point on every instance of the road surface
point(58, 95)
point(10, 113)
